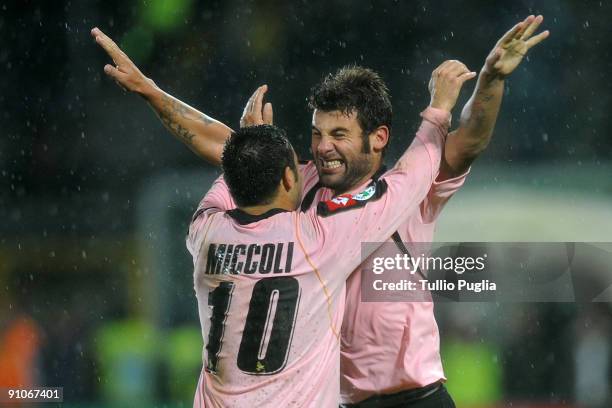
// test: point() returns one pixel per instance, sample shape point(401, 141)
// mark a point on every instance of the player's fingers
point(446, 64)
point(247, 114)
point(268, 115)
point(467, 76)
point(434, 75)
point(113, 72)
point(452, 69)
point(537, 39)
point(524, 26)
point(249, 105)
point(535, 23)
point(105, 42)
point(457, 68)
point(510, 34)
point(440, 68)
point(95, 32)
point(258, 102)
point(441, 72)
point(111, 48)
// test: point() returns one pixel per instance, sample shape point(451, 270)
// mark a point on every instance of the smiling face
point(351, 125)
point(342, 158)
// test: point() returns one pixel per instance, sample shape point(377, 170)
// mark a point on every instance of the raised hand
point(512, 47)
point(446, 82)
point(124, 72)
point(253, 113)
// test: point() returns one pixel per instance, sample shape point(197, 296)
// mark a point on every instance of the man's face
point(338, 150)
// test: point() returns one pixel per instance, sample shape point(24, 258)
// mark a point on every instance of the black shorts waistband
point(407, 396)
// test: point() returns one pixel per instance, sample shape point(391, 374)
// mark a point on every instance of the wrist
point(441, 106)
point(490, 76)
point(438, 116)
point(148, 89)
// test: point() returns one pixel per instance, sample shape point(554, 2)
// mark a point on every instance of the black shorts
point(430, 396)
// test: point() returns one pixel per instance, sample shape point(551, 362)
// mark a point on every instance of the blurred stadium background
point(95, 282)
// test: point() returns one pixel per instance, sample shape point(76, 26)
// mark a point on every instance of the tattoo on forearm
point(485, 97)
point(170, 112)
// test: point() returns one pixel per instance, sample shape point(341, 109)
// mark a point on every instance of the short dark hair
point(359, 89)
point(254, 160)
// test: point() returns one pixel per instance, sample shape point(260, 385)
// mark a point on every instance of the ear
point(288, 180)
point(379, 138)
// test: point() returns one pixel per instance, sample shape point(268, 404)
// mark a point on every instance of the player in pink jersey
point(397, 357)
point(270, 279)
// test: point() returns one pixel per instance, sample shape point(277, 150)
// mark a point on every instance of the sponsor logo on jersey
point(366, 194)
point(347, 201)
point(341, 200)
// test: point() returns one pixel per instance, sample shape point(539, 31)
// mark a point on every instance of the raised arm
point(204, 135)
point(480, 112)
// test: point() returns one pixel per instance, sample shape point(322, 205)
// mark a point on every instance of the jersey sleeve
point(218, 199)
point(427, 146)
point(438, 195)
point(373, 214)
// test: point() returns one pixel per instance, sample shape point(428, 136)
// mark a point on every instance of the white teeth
point(332, 164)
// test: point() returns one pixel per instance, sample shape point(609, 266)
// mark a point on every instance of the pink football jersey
point(271, 288)
point(392, 346)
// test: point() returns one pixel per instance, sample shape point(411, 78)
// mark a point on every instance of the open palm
point(512, 47)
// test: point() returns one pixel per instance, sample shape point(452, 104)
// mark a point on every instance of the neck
point(279, 202)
